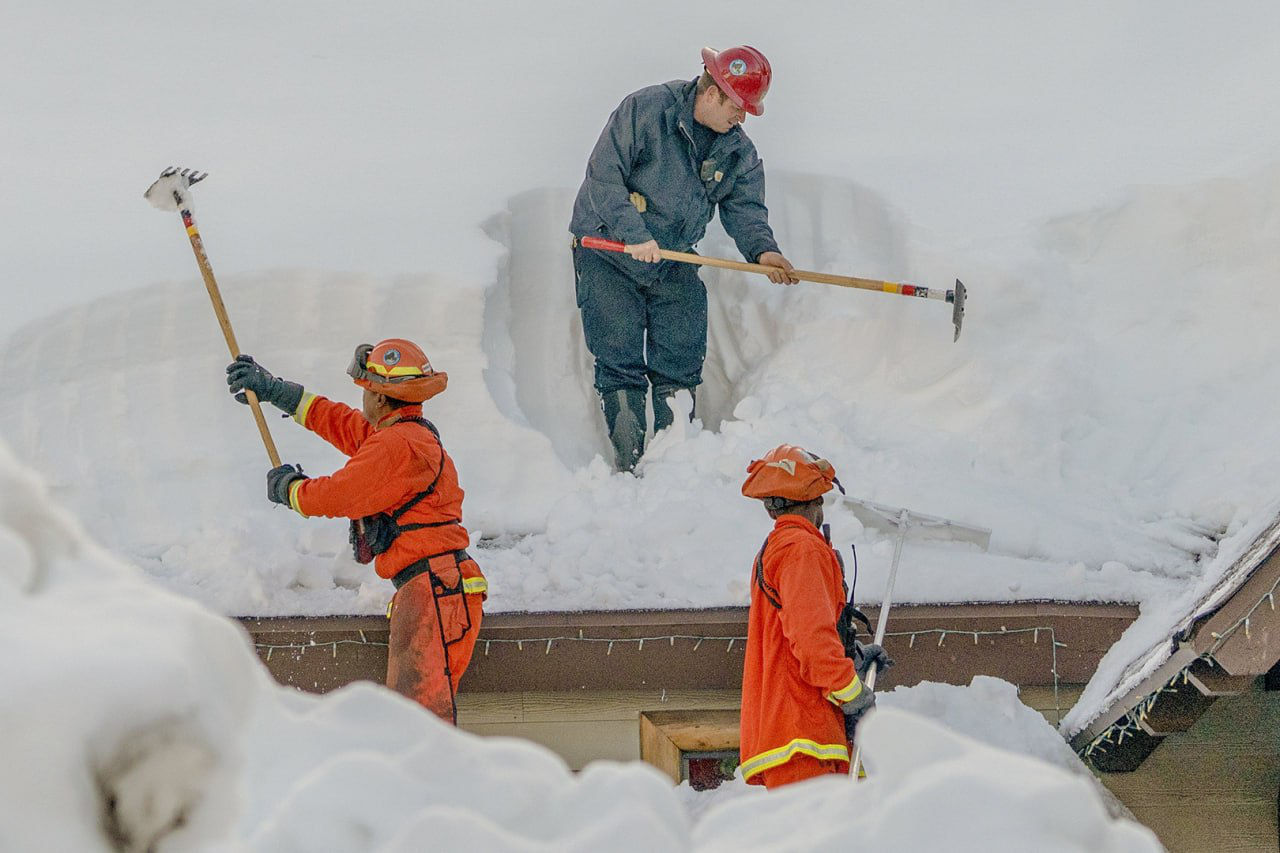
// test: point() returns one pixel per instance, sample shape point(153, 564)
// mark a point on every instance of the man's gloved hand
point(245, 374)
point(866, 654)
point(280, 479)
point(855, 708)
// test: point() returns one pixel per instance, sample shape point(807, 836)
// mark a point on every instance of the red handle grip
point(601, 243)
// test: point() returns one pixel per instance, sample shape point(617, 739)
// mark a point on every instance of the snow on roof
point(145, 721)
point(1062, 446)
point(1152, 639)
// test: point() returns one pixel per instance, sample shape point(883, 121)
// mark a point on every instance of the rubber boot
point(624, 416)
point(662, 417)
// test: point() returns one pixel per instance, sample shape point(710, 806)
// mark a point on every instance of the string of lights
point(731, 642)
point(1130, 725)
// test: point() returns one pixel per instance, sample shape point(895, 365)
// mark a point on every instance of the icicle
point(730, 646)
point(975, 638)
point(335, 651)
point(695, 645)
point(912, 644)
point(941, 638)
point(640, 647)
point(673, 641)
point(486, 647)
point(362, 637)
point(1035, 637)
point(548, 651)
point(609, 650)
point(1246, 628)
point(520, 645)
point(270, 649)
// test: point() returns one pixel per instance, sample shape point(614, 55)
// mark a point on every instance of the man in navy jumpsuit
point(669, 156)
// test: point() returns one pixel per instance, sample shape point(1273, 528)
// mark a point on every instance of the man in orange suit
point(801, 693)
point(400, 490)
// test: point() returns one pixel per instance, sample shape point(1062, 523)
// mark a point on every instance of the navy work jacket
point(645, 159)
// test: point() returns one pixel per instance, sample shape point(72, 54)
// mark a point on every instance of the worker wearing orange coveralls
point(400, 489)
point(801, 693)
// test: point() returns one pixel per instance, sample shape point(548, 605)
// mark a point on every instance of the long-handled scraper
point(172, 191)
point(882, 517)
point(955, 297)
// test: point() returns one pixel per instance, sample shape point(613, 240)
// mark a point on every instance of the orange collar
point(414, 411)
point(789, 520)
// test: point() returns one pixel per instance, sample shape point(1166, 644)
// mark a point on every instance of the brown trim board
point(1025, 643)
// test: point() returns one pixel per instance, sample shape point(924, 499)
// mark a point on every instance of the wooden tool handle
point(764, 269)
point(215, 296)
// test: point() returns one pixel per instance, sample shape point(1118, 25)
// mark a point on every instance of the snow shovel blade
point(169, 191)
point(957, 312)
point(922, 527)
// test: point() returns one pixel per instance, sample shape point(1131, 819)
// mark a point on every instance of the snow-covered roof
point(1133, 670)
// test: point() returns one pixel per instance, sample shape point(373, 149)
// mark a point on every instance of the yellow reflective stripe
point(395, 371)
point(799, 746)
point(293, 497)
point(304, 406)
point(470, 585)
point(847, 694)
point(890, 287)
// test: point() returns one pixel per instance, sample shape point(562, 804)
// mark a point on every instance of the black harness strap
point(770, 593)
point(412, 502)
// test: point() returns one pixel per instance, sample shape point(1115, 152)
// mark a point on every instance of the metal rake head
point(169, 191)
point(193, 176)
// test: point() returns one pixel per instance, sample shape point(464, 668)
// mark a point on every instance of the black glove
point(866, 654)
point(855, 708)
point(280, 479)
point(245, 374)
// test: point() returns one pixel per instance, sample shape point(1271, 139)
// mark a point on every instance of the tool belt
point(423, 566)
point(375, 534)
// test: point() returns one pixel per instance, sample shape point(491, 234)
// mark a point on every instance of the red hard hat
point(791, 473)
point(742, 73)
point(397, 368)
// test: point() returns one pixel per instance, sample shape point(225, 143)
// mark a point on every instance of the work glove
point(245, 374)
point(866, 654)
point(280, 479)
point(855, 708)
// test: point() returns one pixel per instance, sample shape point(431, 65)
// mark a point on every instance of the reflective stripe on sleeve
point(293, 497)
point(304, 406)
point(847, 694)
point(472, 585)
point(799, 746)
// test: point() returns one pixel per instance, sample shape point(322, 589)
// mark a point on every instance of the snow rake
point(884, 517)
point(955, 297)
point(172, 191)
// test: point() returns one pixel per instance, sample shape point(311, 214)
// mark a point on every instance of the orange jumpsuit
point(796, 675)
point(435, 615)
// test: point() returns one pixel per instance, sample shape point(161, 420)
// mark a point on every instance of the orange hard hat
point(791, 473)
point(397, 368)
point(742, 73)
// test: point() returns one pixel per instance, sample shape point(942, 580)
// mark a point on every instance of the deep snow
point(144, 722)
point(1102, 176)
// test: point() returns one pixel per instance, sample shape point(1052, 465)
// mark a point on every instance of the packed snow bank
point(1040, 423)
point(144, 722)
point(928, 788)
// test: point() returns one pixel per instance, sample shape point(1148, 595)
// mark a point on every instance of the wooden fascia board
point(1181, 658)
point(1243, 633)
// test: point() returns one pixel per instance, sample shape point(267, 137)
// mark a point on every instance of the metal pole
point(883, 620)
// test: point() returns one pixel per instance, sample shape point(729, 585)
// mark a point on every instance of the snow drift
point(144, 722)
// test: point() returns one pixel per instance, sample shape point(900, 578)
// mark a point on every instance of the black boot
point(624, 416)
point(662, 417)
